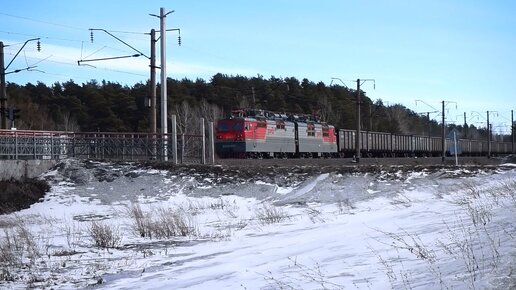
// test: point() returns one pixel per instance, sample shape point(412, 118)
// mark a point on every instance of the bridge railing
point(24, 144)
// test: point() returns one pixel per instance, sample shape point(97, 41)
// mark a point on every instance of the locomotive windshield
point(229, 126)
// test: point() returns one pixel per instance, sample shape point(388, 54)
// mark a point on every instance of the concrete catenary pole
point(358, 137)
point(443, 136)
point(3, 90)
point(152, 89)
point(152, 92)
point(163, 60)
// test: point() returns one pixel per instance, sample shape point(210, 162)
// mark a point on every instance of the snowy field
point(116, 226)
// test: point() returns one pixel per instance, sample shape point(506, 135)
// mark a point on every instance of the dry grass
point(161, 223)
point(104, 235)
point(471, 238)
point(270, 214)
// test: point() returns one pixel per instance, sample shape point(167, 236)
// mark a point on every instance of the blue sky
point(460, 51)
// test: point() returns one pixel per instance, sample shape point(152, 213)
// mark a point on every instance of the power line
point(68, 26)
point(62, 25)
point(128, 32)
point(42, 21)
point(74, 64)
point(42, 37)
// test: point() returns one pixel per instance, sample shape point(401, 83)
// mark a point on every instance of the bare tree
point(244, 102)
point(69, 123)
point(210, 112)
point(397, 117)
point(40, 121)
point(325, 109)
point(188, 124)
point(187, 118)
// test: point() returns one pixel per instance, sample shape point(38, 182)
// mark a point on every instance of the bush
point(161, 222)
point(270, 214)
point(104, 235)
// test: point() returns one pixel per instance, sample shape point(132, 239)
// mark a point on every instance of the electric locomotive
point(250, 133)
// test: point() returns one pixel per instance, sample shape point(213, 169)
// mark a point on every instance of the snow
point(419, 230)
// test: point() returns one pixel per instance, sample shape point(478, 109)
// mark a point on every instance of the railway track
point(349, 162)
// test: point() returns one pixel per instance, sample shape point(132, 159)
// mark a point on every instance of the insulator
point(39, 45)
point(179, 40)
point(91, 36)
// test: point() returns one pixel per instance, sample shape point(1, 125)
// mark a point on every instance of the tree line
point(111, 107)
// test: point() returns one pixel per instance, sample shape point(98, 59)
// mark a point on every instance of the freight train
point(250, 133)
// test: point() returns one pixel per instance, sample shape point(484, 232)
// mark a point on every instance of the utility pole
point(359, 137)
point(443, 136)
point(489, 134)
point(429, 124)
point(488, 137)
point(512, 130)
point(428, 115)
point(152, 92)
point(465, 127)
point(163, 60)
point(163, 94)
point(358, 133)
point(3, 85)
point(370, 117)
point(3, 90)
point(428, 120)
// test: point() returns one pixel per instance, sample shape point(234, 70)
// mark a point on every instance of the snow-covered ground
point(179, 229)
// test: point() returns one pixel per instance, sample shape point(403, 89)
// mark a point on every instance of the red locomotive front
point(255, 133)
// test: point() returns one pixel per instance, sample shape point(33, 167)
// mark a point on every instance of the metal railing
point(18, 144)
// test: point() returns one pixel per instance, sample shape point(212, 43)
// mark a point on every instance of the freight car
point(262, 134)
